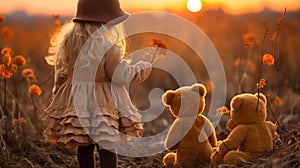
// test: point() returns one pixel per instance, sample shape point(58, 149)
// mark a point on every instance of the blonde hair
point(66, 44)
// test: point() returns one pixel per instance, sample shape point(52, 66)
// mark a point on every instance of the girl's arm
point(121, 73)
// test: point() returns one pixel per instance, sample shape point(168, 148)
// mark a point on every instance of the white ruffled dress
point(99, 111)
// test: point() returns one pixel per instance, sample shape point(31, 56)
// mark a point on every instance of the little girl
point(96, 127)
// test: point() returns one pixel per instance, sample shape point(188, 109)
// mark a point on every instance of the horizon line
point(220, 9)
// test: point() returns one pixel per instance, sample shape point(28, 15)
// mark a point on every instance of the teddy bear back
point(258, 140)
point(248, 109)
point(197, 127)
point(196, 141)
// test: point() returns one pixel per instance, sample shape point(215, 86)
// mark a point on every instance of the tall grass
point(242, 42)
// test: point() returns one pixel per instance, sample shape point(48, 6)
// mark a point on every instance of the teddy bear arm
point(216, 158)
point(230, 125)
point(174, 135)
point(275, 136)
point(213, 140)
point(210, 131)
point(234, 140)
point(173, 148)
point(171, 143)
point(273, 128)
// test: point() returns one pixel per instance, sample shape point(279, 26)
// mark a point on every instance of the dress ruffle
point(81, 125)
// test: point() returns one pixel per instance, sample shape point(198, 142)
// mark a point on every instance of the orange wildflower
point(20, 60)
point(27, 72)
point(4, 73)
point(5, 51)
point(2, 19)
point(268, 59)
point(223, 110)
point(159, 50)
point(158, 43)
point(6, 59)
point(209, 86)
point(35, 90)
point(15, 122)
point(22, 120)
point(52, 141)
point(14, 67)
point(278, 101)
point(261, 83)
point(238, 62)
point(7, 33)
point(31, 77)
point(7, 74)
point(250, 39)
point(251, 65)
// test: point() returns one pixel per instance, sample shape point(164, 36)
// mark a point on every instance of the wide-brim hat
point(100, 11)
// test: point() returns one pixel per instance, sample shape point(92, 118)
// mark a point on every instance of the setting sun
point(194, 5)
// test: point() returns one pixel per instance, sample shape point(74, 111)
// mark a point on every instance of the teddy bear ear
point(236, 103)
point(168, 97)
point(262, 97)
point(199, 88)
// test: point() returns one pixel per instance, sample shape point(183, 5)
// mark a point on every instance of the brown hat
point(100, 11)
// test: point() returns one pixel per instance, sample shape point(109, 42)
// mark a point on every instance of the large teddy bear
point(251, 135)
point(191, 137)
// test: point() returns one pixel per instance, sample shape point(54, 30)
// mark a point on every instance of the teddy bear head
point(184, 101)
point(247, 109)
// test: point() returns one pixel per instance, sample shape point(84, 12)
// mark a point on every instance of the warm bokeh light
point(194, 5)
point(68, 7)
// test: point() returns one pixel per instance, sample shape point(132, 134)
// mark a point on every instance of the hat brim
point(118, 20)
point(114, 21)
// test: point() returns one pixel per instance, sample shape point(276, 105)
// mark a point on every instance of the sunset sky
point(68, 7)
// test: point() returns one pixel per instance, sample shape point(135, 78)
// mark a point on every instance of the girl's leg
point(108, 158)
point(85, 156)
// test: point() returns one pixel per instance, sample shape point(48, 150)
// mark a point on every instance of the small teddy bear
point(251, 135)
point(191, 137)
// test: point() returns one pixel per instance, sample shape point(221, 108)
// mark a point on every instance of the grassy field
point(240, 40)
